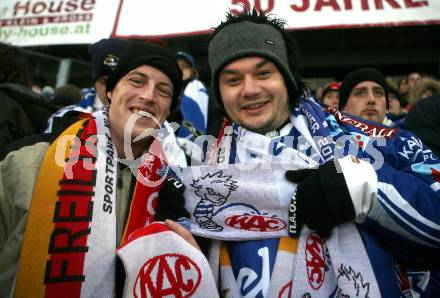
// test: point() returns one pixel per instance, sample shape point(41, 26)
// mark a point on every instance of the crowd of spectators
point(34, 110)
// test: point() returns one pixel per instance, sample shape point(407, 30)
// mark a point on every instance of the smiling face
point(144, 90)
point(367, 100)
point(254, 94)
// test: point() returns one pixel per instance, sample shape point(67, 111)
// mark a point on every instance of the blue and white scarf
point(90, 102)
point(272, 266)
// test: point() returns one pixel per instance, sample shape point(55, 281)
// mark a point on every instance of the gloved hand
point(321, 201)
point(171, 202)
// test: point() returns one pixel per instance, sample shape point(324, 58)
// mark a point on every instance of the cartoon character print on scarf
point(213, 190)
point(346, 275)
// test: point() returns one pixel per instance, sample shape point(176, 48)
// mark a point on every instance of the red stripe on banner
point(73, 214)
point(324, 27)
point(139, 36)
point(116, 23)
point(369, 25)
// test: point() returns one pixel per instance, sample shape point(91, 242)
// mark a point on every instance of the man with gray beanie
point(363, 213)
point(67, 204)
point(364, 93)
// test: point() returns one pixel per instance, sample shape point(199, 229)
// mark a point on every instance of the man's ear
point(109, 95)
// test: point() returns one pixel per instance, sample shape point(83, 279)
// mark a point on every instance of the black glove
point(321, 201)
point(171, 202)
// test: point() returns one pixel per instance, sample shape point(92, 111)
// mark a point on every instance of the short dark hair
point(257, 17)
point(14, 67)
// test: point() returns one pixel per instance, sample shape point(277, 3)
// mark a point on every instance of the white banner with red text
point(38, 22)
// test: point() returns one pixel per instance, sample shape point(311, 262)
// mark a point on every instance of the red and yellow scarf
point(70, 239)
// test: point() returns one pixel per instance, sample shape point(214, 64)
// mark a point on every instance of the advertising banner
point(39, 22)
point(54, 22)
point(171, 18)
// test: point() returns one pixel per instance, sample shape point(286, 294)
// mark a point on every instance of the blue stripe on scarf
point(242, 252)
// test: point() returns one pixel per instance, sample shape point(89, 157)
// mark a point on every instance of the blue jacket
point(401, 232)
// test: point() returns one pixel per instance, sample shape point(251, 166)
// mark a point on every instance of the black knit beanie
point(105, 55)
point(360, 75)
point(246, 39)
point(145, 53)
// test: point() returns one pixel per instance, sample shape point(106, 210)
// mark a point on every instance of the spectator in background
point(194, 99)
point(187, 65)
point(330, 95)
point(425, 87)
point(66, 95)
point(395, 113)
point(192, 111)
point(413, 79)
point(104, 57)
point(423, 119)
point(23, 112)
point(47, 93)
point(319, 93)
point(364, 93)
point(403, 90)
point(38, 83)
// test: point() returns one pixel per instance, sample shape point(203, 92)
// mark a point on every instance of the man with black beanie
point(364, 93)
point(359, 205)
point(104, 56)
point(96, 183)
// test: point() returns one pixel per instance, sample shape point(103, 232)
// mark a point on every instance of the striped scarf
point(69, 244)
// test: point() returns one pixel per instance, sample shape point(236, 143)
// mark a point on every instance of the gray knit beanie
point(245, 39)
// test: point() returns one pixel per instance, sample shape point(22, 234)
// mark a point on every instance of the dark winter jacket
point(424, 121)
point(23, 113)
